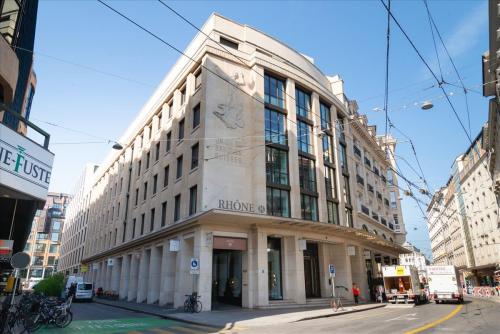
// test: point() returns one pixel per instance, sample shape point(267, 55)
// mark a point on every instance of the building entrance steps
point(240, 317)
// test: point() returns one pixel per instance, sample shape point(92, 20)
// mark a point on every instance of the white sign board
point(174, 245)
point(302, 244)
point(351, 251)
point(110, 262)
point(194, 266)
point(331, 270)
point(441, 270)
point(24, 165)
point(395, 271)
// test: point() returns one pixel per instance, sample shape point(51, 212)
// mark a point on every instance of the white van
point(84, 291)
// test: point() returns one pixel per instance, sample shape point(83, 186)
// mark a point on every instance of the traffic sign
point(20, 260)
point(195, 266)
point(331, 270)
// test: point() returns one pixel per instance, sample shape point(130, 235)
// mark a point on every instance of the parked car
point(84, 291)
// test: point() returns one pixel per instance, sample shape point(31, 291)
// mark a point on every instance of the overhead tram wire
point(433, 41)
point(190, 58)
point(386, 97)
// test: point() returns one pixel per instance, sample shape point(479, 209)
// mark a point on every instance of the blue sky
point(95, 71)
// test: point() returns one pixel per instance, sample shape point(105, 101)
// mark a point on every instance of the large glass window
point(274, 91)
point(330, 182)
point(343, 158)
point(39, 247)
point(177, 208)
point(278, 202)
point(340, 128)
point(194, 155)
point(54, 237)
point(178, 174)
point(327, 148)
point(333, 212)
point(275, 123)
point(196, 116)
point(276, 166)
point(347, 190)
point(274, 268)
point(193, 191)
point(309, 206)
point(302, 103)
point(304, 131)
point(307, 174)
point(325, 116)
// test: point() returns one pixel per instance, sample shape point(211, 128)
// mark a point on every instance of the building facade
point(241, 162)
point(75, 225)
point(463, 218)
point(416, 258)
point(25, 164)
point(44, 241)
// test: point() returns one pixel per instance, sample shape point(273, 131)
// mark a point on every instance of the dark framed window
point(133, 228)
point(348, 217)
point(325, 116)
point(333, 212)
point(170, 108)
point(145, 194)
point(177, 207)
point(194, 155)
point(197, 79)
point(124, 231)
point(276, 166)
point(152, 221)
point(148, 158)
point(157, 152)
point(302, 103)
point(183, 95)
point(304, 131)
point(178, 174)
point(155, 183)
point(143, 217)
point(181, 130)
point(136, 196)
point(278, 202)
point(340, 128)
point(139, 165)
point(274, 268)
point(309, 207)
point(163, 213)
point(307, 174)
point(327, 142)
point(274, 91)
point(228, 43)
point(196, 116)
point(165, 175)
point(347, 190)
point(193, 193)
point(169, 141)
point(330, 184)
point(343, 158)
point(275, 127)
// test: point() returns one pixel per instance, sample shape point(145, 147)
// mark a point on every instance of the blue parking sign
point(331, 269)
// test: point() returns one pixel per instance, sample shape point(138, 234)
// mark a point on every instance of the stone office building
point(243, 160)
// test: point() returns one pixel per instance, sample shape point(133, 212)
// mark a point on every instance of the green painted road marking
point(112, 325)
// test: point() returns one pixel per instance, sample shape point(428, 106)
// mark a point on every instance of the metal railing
point(7, 112)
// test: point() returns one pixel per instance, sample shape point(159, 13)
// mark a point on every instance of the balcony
point(357, 151)
point(360, 180)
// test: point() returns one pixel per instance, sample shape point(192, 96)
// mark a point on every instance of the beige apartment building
point(238, 181)
point(462, 218)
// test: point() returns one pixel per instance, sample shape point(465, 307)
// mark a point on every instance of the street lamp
point(116, 145)
point(427, 105)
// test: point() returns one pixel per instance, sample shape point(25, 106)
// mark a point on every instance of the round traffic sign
point(20, 260)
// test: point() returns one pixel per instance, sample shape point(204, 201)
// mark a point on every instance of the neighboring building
point(75, 226)
point(463, 224)
point(25, 165)
point(44, 242)
point(416, 258)
point(237, 163)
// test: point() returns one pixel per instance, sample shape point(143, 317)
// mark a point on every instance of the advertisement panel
point(24, 165)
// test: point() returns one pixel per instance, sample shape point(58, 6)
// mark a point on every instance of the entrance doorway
point(311, 271)
point(226, 277)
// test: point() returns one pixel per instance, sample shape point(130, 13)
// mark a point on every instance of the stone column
point(168, 269)
point(325, 257)
point(134, 277)
point(257, 269)
point(154, 275)
point(342, 265)
point(183, 279)
point(203, 251)
point(115, 274)
point(293, 271)
point(358, 269)
point(124, 277)
point(293, 158)
point(142, 289)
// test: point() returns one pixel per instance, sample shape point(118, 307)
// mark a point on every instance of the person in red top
point(355, 293)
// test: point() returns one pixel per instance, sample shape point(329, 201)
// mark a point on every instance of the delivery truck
point(443, 284)
point(402, 285)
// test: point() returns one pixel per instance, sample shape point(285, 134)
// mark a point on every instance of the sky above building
point(95, 71)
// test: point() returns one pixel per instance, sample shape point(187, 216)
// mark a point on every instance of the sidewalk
point(491, 298)
point(238, 317)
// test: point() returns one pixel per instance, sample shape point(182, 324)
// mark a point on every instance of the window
point(304, 131)
point(274, 90)
point(177, 207)
point(327, 148)
point(392, 196)
point(302, 103)
point(278, 202)
point(53, 248)
point(197, 79)
point(179, 167)
point(181, 130)
point(347, 190)
point(54, 237)
point(340, 129)
point(157, 156)
point(148, 157)
point(155, 183)
point(196, 116)
point(170, 108)
point(309, 207)
point(139, 164)
point(276, 166)
point(192, 200)
point(183, 95)
point(145, 194)
point(275, 127)
point(39, 247)
point(330, 182)
point(124, 232)
point(333, 212)
point(163, 214)
point(51, 260)
point(152, 221)
point(325, 116)
point(136, 196)
point(307, 174)
point(165, 176)
point(133, 228)
point(41, 236)
point(390, 177)
point(36, 273)
point(194, 155)
point(56, 225)
point(228, 43)
point(348, 217)
point(343, 158)
point(143, 217)
point(169, 141)
point(27, 248)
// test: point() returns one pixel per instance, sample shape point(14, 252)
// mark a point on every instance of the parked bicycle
point(51, 311)
point(192, 303)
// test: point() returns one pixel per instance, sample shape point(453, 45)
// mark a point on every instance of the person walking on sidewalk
point(355, 293)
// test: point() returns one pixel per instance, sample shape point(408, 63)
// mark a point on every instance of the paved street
point(475, 316)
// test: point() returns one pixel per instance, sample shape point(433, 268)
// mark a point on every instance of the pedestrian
point(355, 293)
point(72, 290)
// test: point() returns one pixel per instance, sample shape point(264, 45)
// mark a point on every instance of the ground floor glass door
point(311, 271)
point(226, 277)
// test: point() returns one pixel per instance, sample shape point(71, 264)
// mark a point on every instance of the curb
point(342, 313)
point(494, 299)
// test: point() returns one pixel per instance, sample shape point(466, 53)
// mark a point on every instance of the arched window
point(383, 236)
point(365, 228)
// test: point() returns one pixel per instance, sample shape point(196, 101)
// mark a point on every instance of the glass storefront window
point(274, 268)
